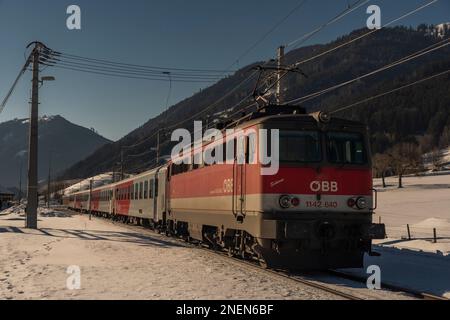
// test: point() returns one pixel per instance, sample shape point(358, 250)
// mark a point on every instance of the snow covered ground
point(424, 204)
point(119, 263)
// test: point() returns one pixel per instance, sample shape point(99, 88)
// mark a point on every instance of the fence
point(411, 232)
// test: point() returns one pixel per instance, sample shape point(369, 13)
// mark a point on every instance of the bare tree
point(405, 158)
point(381, 163)
point(426, 143)
point(436, 159)
point(444, 141)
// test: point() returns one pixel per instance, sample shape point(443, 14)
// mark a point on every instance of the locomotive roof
point(307, 119)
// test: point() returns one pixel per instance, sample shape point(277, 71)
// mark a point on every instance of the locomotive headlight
point(295, 201)
point(285, 201)
point(361, 203)
point(351, 202)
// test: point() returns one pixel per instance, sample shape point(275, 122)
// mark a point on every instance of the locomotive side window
point(346, 148)
point(300, 146)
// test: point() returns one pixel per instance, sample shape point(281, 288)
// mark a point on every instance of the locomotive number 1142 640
point(321, 204)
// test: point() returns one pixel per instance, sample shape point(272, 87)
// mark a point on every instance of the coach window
point(146, 189)
point(156, 187)
point(151, 188)
point(141, 190)
point(132, 192)
point(136, 191)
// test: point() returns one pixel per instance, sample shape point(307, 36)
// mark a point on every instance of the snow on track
point(118, 263)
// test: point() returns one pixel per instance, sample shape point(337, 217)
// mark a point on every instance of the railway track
point(415, 293)
point(297, 278)
point(283, 274)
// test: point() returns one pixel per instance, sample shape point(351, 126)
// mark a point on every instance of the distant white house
point(442, 30)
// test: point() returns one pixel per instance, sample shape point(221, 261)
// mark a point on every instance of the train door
point(159, 194)
point(110, 201)
point(154, 183)
point(239, 187)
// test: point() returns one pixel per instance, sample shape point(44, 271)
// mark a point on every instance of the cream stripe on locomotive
point(270, 202)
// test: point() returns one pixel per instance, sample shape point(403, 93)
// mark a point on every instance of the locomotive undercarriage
point(302, 242)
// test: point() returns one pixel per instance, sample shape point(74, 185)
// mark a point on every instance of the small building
point(5, 198)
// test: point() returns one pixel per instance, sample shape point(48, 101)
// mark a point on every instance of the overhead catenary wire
point(408, 58)
point(299, 41)
point(340, 109)
point(419, 8)
point(342, 45)
point(270, 31)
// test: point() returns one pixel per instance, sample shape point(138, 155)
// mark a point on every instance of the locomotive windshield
point(346, 148)
point(300, 146)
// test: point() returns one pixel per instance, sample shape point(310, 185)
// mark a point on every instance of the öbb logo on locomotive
point(324, 186)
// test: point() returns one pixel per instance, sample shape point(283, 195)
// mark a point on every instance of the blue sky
point(202, 34)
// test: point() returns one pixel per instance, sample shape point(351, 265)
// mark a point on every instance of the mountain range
point(61, 144)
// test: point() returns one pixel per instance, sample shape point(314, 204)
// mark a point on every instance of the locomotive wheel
point(263, 264)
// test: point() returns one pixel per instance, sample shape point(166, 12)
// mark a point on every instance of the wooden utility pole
point(32, 190)
point(280, 75)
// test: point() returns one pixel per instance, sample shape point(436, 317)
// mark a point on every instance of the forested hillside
point(419, 115)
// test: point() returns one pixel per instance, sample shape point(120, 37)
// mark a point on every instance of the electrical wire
point(129, 76)
point(113, 63)
point(13, 87)
point(421, 7)
point(265, 35)
point(408, 58)
point(306, 37)
point(389, 92)
point(62, 60)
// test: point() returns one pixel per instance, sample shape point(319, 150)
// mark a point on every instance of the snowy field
point(424, 204)
point(118, 263)
point(419, 263)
